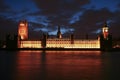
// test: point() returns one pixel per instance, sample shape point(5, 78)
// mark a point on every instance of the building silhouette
point(11, 41)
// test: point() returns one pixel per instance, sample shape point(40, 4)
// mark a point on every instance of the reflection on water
point(56, 65)
point(59, 65)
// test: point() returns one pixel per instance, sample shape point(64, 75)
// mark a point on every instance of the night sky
point(74, 16)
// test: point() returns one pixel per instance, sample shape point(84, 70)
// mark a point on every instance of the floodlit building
point(58, 41)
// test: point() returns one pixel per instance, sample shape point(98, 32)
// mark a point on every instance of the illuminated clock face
point(106, 30)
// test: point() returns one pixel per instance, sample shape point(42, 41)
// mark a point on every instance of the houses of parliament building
point(21, 40)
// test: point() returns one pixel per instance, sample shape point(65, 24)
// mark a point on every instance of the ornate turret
point(59, 35)
point(23, 30)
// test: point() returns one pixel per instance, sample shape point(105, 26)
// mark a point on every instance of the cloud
point(3, 7)
point(78, 16)
point(60, 6)
point(115, 24)
point(118, 5)
point(7, 27)
point(91, 21)
point(59, 12)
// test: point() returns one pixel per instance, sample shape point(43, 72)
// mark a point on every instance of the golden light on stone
point(58, 42)
point(30, 44)
point(61, 43)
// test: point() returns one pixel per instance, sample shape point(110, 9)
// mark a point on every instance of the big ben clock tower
point(105, 38)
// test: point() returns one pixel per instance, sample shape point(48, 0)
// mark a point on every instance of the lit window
point(22, 37)
point(22, 24)
point(106, 30)
point(22, 31)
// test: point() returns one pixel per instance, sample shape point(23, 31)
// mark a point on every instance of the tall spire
point(105, 24)
point(59, 35)
point(58, 28)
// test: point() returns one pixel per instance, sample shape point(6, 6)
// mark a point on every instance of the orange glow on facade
point(58, 42)
point(66, 43)
point(61, 43)
point(30, 44)
point(23, 30)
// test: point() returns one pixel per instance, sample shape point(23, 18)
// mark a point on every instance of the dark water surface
point(59, 65)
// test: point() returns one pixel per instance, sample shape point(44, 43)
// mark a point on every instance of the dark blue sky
point(74, 16)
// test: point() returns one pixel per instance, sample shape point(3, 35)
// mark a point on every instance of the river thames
point(59, 65)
